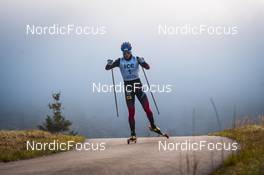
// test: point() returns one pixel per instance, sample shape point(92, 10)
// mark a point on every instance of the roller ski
point(132, 139)
point(158, 131)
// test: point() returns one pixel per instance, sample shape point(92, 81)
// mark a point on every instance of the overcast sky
point(228, 68)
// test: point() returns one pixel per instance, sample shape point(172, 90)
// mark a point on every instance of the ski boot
point(158, 131)
point(132, 139)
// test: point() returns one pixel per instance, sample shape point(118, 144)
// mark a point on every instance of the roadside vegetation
point(55, 128)
point(249, 160)
point(56, 123)
point(13, 143)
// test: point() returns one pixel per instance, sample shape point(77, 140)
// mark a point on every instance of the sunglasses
point(127, 53)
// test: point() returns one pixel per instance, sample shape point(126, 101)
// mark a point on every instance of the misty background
point(228, 69)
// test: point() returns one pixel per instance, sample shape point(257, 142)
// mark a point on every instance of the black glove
point(109, 62)
point(141, 60)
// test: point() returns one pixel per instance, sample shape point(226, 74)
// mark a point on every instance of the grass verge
point(249, 160)
point(13, 143)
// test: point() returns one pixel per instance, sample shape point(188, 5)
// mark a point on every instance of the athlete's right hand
point(109, 61)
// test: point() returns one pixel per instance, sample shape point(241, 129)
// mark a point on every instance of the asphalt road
point(147, 156)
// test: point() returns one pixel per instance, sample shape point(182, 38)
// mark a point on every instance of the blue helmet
point(126, 46)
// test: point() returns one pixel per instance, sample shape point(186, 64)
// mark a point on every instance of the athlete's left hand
point(141, 60)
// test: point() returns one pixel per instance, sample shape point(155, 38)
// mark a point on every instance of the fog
point(227, 68)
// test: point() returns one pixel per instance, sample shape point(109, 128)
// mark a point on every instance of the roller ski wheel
point(158, 131)
point(132, 139)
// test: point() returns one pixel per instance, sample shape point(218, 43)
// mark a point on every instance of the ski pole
point(113, 79)
point(150, 91)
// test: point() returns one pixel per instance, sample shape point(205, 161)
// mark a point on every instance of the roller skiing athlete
point(129, 68)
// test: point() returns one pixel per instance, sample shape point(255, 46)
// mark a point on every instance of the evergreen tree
point(57, 123)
